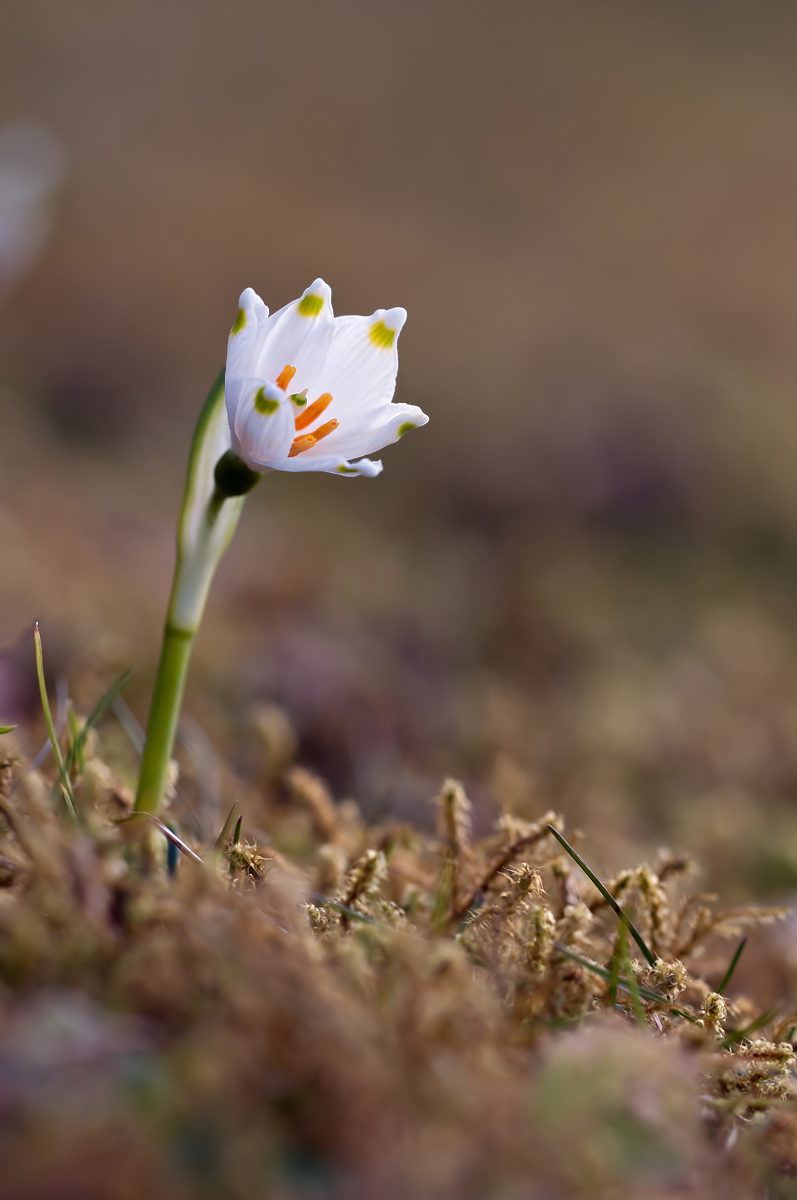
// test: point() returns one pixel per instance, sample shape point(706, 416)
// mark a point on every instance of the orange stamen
point(313, 410)
point(323, 430)
point(284, 377)
point(306, 440)
point(301, 443)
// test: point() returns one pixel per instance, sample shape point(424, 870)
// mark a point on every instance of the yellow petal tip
point(310, 305)
point(381, 336)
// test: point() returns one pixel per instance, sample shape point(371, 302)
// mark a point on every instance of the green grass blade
point(633, 983)
point(753, 1027)
point(69, 797)
point(608, 897)
point(74, 756)
point(62, 699)
point(6, 728)
point(728, 976)
point(344, 908)
point(620, 949)
point(103, 704)
point(646, 993)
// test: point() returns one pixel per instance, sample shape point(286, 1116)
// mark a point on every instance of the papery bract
point(308, 391)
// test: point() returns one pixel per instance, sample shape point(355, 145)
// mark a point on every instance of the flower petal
point(299, 335)
point(371, 430)
point(332, 464)
point(360, 370)
point(241, 347)
point(264, 428)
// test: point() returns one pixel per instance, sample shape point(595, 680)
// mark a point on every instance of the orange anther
point(323, 430)
point(284, 377)
point(301, 443)
point(313, 410)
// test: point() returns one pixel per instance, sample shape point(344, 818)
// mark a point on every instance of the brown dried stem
point(503, 861)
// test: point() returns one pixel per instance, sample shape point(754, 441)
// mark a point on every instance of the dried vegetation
point(389, 1014)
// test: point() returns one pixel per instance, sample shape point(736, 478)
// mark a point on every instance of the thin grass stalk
point(608, 897)
point(728, 976)
point(66, 785)
point(624, 961)
point(80, 736)
point(614, 978)
point(645, 993)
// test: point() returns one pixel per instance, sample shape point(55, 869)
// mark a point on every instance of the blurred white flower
point(32, 166)
point(308, 391)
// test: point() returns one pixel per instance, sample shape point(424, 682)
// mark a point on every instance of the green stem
point(163, 716)
point(215, 487)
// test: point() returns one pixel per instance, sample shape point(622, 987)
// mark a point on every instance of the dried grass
point(421, 1017)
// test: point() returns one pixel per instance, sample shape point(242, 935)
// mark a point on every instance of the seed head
point(714, 1013)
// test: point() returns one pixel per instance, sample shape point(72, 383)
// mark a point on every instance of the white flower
point(308, 391)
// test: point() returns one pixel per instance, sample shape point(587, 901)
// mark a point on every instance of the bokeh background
point(577, 587)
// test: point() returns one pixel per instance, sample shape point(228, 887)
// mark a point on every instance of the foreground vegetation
point(382, 1013)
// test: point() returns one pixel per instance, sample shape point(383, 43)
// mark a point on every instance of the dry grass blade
point(218, 845)
point(167, 833)
point(456, 829)
point(174, 839)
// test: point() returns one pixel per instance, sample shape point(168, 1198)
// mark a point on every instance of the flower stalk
point(285, 373)
point(214, 494)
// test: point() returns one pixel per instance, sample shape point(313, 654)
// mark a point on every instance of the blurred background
point(577, 587)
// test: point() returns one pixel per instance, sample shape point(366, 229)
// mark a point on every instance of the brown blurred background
point(578, 586)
